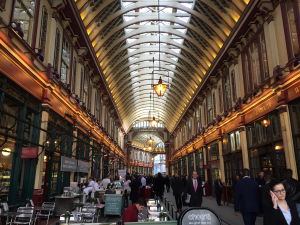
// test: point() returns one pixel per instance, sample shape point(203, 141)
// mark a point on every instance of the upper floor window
point(85, 89)
point(190, 129)
point(247, 73)
point(65, 62)
point(214, 105)
point(56, 49)
point(227, 92)
point(90, 94)
point(200, 118)
point(74, 75)
point(81, 85)
point(24, 17)
point(233, 85)
point(209, 108)
point(263, 50)
point(204, 111)
point(44, 29)
point(220, 98)
point(97, 107)
point(292, 27)
point(255, 67)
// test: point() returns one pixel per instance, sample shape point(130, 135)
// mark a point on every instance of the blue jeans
point(298, 208)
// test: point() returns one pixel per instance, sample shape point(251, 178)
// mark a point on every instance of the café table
point(8, 215)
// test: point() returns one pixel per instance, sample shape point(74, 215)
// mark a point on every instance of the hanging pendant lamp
point(144, 148)
point(150, 140)
point(153, 122)
point(160, 88)
point(150, 148)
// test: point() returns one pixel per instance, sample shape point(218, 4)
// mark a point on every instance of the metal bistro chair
point(46, 211)
point(95, 214)
point(88, 214)
point(25, 216)
point(174, 214)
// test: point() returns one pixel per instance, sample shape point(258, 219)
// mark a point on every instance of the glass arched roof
point(183, 37)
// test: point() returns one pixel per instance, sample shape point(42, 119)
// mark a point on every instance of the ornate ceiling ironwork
point(125, 37)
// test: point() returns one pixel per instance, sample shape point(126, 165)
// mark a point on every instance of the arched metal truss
point(126, 37)
point(141, 139)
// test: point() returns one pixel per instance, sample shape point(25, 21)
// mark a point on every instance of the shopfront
point(200, 163)
point(20, 121)
point(96, 160)
point(213, 160)
point(265, 145)
point(190, 163)
point(232, 155)
point(183, 166)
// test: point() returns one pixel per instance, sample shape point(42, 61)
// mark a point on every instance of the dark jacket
point(260, 181)
point(159, 184)
point(234, 184)
point(167, 181)
point(277, 218)
point(218, 189)
point(196, 197)
point(135, 184)
point(184, 181)
point(177, 186)
point(292, 188)
point(247, 196)
point(266, 202)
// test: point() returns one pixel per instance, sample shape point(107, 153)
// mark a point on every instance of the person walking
point(177, 191)
point(266, 200)
point(143, 188)
point(167, 182)
point(195, 190)
point(260, 179)
point(184, 180)
point(237, 178)
point(135, 184)
point(247, 198)
point(283, 211)
point(159, 185)
point(127, 190)
point(292, 187)
point(218, 190)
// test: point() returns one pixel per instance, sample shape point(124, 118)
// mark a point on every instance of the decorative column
point(205, 161)
point(244, 146)
point(287, 137)
point(221, 158)
point(42, 140)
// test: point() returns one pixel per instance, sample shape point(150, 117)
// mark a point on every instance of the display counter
point(66, 203)
point(172, 222)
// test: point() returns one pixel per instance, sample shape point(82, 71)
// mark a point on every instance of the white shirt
point(91, 183)
point(104, 183)
point(143, 181)
point(126, 185)
point(95, 187)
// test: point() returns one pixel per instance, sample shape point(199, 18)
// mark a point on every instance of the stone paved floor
point(226, 213)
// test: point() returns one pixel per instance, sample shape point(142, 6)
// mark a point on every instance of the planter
point(158, 209)
point(67, 219)
point(80, 209)
point(161, 219)
point(27, 205)
point(93, 203)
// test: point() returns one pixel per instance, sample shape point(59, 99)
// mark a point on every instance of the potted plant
point(27, 202)
point(80, 205)
point(94, 201)
point(162, 216)
point(158, 207)
point(67, 216)
point(1, 208)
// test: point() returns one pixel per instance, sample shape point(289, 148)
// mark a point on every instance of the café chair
point(25, 216)
point(46, 211)
point(174, 213)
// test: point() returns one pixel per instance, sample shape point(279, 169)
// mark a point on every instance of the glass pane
point(255, 64)
point(247, 73)
point(263, 50)
point(238, 139)
point(292, 26)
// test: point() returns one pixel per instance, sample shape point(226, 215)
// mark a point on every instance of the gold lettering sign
point(297, 89)
point(260, 110)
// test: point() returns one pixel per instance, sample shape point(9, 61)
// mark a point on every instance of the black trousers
point(159, 194)
point(249, 218)
point(218, 197)
point(143, 191)
point(178, 201)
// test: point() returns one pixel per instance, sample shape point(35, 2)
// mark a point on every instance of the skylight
point(129, 40)
point(185, 19)
point(128, 18)
point(179, 40)
point(126, 4)
point(188, 5)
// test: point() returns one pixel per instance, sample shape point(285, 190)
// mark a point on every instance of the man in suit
point(218, 190)
point(266, 200)
point(247, 198)
point(194, 189)
point(135, 184)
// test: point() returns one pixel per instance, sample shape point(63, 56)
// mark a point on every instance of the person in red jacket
point(131, 213)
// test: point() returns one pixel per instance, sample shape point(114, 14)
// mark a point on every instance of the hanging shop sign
point(207, 167)
point(83, 166)
point(29, 152)
point(68, 164)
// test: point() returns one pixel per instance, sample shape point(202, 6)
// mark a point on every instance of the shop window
point(56, 49)
point(235, 141)
point(214, 105)
point(220, 98)
point(263, 50)
point(227, 92)
point(225, 144)
point(209, 108)
point(213, 152)
point(24, 15)
point(292, 27)
point(233, 85)
point(74, 75)
point(44, 29)
point(65, 64)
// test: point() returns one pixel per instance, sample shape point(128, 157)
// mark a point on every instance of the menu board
point(113, 204)
point(197, 216)
point(83, 166)
point(68, 164)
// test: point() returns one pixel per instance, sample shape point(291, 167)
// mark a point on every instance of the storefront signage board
point(113, 204)
point(29, 152)
point(230, 126)
point(262, 109)
point(68, 164)
point(83, 166)
point(199, 215)
point(212, 136)
point(292, 92)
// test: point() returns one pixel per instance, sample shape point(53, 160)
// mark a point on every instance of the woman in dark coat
point(159, 185)
point(177, 191)
point(135, 184)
